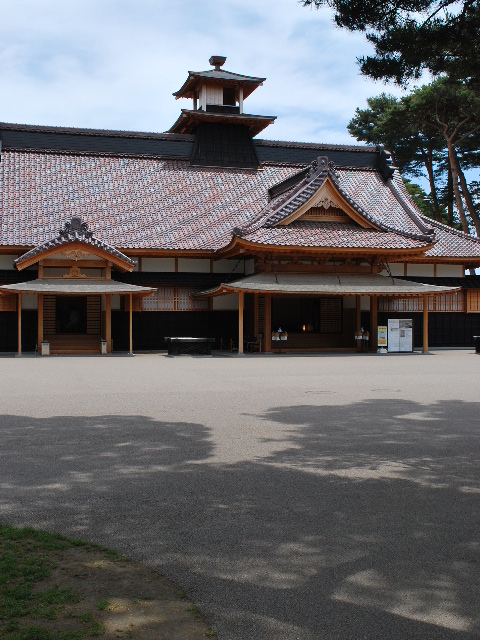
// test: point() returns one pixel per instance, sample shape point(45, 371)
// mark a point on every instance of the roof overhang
point(190, 119)
point(326, 284)
point(79, 287)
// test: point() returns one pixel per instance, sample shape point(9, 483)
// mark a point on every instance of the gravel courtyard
point(314, 498)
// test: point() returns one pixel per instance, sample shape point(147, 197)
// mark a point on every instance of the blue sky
point(114, 64)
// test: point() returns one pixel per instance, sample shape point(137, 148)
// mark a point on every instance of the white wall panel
point(193, 265)
point(420, 270)
point(158, 265)
point(450, 271)
point(226, 303)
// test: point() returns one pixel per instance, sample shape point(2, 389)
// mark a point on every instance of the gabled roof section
point(75, 233)
point(318, 187)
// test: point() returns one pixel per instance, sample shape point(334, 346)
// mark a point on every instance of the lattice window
point(173, 299)
point(444, 303)
point(8, 303)
point(330, 317)
point(473, 301)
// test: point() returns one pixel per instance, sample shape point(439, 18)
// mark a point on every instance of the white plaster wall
point(396, 269)
point(450, 271)
point(226, 303)
point(193, 265)
point(29, 301)
point(6, 262)
point(116, 303)
point(228, 266)
point(365, 303)
point(420, 270)
point(158, 264)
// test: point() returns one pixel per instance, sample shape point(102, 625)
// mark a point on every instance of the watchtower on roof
point(217, 118)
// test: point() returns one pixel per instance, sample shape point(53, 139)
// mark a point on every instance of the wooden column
point(108, 322)
point(241, 300)
point(425, 324)
point(19, 325)
point(255, 315)
point(268, 323)
point(358, 320)
point(373, 322)
point(40, 323)
point(131, 324)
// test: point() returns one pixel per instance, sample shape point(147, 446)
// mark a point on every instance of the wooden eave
point(196, 80)
point(120, 264)
point(239, 246)
point(189, 119)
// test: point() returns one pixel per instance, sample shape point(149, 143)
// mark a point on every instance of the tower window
point(229, 96)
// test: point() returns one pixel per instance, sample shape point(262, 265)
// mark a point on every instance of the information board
point(382, 336)
point(400, 335)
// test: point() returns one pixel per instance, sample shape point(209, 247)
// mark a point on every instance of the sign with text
point(400, 335)
point(382, 336)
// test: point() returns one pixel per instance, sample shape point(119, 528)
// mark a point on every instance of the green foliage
point(410, 36)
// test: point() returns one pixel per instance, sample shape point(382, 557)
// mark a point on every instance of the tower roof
point(218, 76)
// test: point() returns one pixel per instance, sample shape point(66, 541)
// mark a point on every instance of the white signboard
point(400, 335)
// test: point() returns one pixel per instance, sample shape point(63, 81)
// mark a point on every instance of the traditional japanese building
point(117, 240)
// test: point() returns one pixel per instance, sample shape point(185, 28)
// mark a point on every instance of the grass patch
point(55, 588)
point(30, 607)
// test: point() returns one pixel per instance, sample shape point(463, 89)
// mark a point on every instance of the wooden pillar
point(425, 324)
point(131, 324)
point(19, 325)
point(40, 322)
point(373, 322)
point(255, 315)
point(108, 322)
point(358, 321)
point(268, 323)
point(241, 300)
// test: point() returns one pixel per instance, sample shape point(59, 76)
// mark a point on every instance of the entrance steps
point(73, 344)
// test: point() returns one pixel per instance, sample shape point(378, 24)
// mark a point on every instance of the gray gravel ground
point(315, 498)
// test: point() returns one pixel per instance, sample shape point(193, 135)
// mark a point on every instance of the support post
point(241, 299)
point(374, 322)
point(425, 324)
point(108, 322)
point(255, 315)
point(19, 325)
point(268, 323)
point(358, 322)
point(131, 324)
point(40, 322)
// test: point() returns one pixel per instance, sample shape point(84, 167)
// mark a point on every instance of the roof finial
point(217, 62)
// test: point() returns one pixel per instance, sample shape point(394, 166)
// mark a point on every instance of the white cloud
point(114, 64)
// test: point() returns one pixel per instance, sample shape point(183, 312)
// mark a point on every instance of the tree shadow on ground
point(364, 524)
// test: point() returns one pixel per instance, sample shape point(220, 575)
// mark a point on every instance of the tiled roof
point(128, 203)
point(331, 235)
point(159, 203)
point(74, 231)
point(377, 201)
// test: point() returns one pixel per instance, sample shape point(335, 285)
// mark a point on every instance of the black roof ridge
point(102, 154)
point(317, 145)
point(83, 131)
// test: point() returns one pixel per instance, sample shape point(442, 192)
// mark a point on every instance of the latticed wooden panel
point(444, 303)
point(8, 303)
point(49, 315)
point(332, 214)
point(172, 299)
point(473, 301)
point(330, 315)
point(94, 306)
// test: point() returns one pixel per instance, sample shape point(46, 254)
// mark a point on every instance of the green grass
point(26, 560)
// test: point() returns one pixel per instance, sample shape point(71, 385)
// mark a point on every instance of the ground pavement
point(316, 498)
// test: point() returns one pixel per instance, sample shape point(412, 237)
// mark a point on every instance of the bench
point(189, 346)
